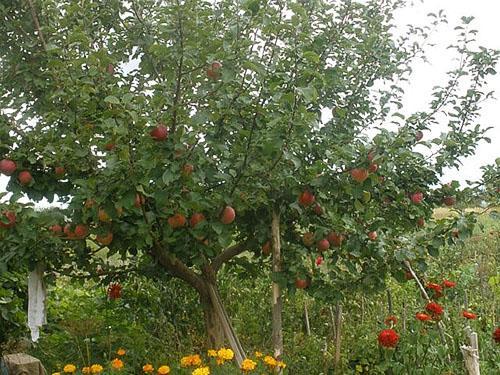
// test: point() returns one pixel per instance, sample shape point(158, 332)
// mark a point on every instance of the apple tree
point(170, 132)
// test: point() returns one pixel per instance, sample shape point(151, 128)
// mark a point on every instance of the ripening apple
point(335, 239)
point(266, 248)
point(196, 218)
point(59, 171)
point(106, 239)
point(110, 146)
point(11, 219)
point(177, 221)
point(187, 169)
point(373, 168)
point(308, 239)
point(159, 133)
point(139, 200)
point(449, 200)
point(323, 245)
point(318, 210)
point(103, 215)
point(25, 178)
point(372, 235)
point(119, 211)
point(228, 215)
point(417, 197)
point(89, 203)
point(81, 231)
point(7, 167)
point(67, 230)
point(301, 283)
point(371, 156)
point(213, 72)
point(359, 174)
point(56, 229)
point(421, 222)
point(419, 135)
point(110, 69)
point(306, 198)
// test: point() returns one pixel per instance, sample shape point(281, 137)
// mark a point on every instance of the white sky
point(426, 76)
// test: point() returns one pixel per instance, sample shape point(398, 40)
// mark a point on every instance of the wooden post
point(404, 317)
point(471, 353)
point(306, 320)
point(338, 337)
point(277, 301)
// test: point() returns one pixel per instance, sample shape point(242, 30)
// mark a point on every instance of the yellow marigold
point(212, 353)
point(281, 364)
point(201, 371)
point(86, 370)
point(117, 363)
point(148, 368)
point(248, 365)
point(121, 351)
point(96, 369)
point(191, 360)
point(270, 361)
point(56, 373)
point(219, 361)
point(164, 370)
point(69, 369)
point(258, 354)
point(225, 354)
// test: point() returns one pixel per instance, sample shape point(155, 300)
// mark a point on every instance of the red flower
point(434, 308)
point(423, 317)
point(114, 291)
point(388, 338)
point(436, 288)
point(496, 335)
point(449, 284)
point(391, 321)
point(319, 260)
point(468, 315)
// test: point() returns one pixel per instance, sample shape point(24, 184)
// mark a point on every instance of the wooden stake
point(277, 301)
point(338, 337)
point(306, 320)
point(471, 353)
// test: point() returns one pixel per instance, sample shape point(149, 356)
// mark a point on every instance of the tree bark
point(213, 325)
point(277, 323)
point(338, 338)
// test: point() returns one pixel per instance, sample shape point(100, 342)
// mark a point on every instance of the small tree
point(172, 129)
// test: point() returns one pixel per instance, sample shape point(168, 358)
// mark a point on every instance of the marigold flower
point(56, 373)
point(258, 354)
point(280, 364)
point(212, 353)
point(434, 308)
point(496, 335)
point(191, 360)
point(121, 352)
point(86, 370)
point(117, 364)
point(219, 361)
point(96, 369)
point(449, 284)
point(468, 315)
point(270, 361)
point(388, 338)
point(201, 371)
point(248, 365)
point(163, 370)
point(69, 369)
point(114, 291)
point(148, 368)
point(436, 288)
point(225, 354)
point(423, 317)
point(391, 320)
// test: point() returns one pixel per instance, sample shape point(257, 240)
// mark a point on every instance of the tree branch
point(37, 24)
point(228, 254)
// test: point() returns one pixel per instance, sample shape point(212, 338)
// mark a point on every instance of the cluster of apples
point(178, 220)
point(8, 167)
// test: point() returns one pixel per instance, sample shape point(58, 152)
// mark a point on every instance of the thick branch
point(37, 24)
point(228, 254)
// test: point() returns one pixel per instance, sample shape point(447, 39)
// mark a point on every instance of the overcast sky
point(428, 75)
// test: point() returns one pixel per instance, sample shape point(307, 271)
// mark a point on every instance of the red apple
point(419, 135)
point(67, 230)
point(81, 231)
point(159, 133)
point(308, 239)
point(106, 239)
point(59, 171)
point(213, 70)
point(335, 239)
point(421, 222)
point(110, 69)
point(196, 218)
point(11, 219)
point(373, 168)
point(139, 200)
point(7, 167)
point(301, 283)
point(359, 174)
point(306, 198)
point(228, 215)
point(177, 221)
point(216, 65)
point(56, 229)
point(25, 178)
point(266, 248)
point(372, 235)
point(449, 200)
point(371, 156)
point(318, 210)
point(187, 169)
point(323, 245)
point(110, 146)
point(417, 197)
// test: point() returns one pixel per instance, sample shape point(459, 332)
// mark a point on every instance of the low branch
point(228, 254)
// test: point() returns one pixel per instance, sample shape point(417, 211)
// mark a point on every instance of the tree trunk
point(277, 301)
point(213, 325)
